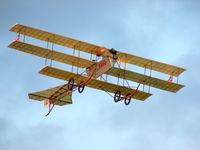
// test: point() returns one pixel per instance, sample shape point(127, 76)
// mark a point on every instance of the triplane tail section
point(47, 95)
point(52, 97)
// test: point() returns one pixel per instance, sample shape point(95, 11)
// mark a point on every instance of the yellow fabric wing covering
point(93, 83)
point(45, 94)
point(144, 79)
point(51, 54)
point(150, 64)
point(55, 38)
point(91, 48)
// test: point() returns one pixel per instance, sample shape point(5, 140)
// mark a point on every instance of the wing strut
point(132, 94)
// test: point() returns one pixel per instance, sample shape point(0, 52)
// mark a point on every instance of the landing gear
point(81, 87)
point(70, 84)
point(127, 99)
point(117, 96)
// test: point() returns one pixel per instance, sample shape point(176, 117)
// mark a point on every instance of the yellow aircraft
point(92, 76)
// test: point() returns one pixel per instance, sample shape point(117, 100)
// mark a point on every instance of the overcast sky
point(167, 31)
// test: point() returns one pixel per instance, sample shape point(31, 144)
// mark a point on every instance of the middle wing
point(94, 83)
point(51, 54)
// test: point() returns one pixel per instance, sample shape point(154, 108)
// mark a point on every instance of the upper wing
point(48, 53)
point(150, 64)
point(91, 48)
point(144, 79)
point(45, 94)
point(94, 83)
point(55, 38)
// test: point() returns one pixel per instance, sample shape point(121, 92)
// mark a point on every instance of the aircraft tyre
point(117, 96)
point(127, 99)
point(81, 87)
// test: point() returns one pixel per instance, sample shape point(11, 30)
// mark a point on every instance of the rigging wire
point(78, 60)
point(73, 55)
point(105, 90)
point(150, 77)
point(46, 58)
point(52, 51)
point(144, 74)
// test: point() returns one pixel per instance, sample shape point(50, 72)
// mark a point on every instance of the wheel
point(128, 99)
point(117, 96)
point(71, 84)
point(81, 87)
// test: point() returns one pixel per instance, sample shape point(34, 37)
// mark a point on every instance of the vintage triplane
point(92, 72)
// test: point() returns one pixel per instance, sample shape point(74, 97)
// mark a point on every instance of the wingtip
point(10, 45)
point(42, 69)
point(14, 26)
